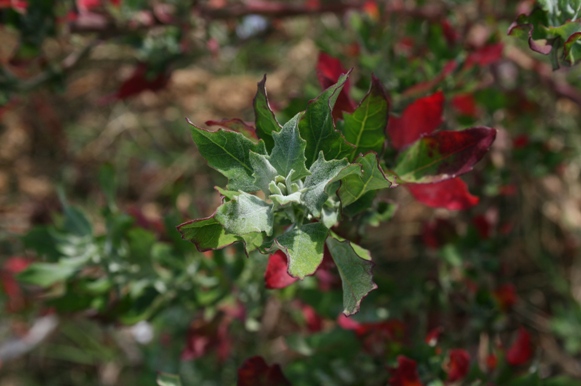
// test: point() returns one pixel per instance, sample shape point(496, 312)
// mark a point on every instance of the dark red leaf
point(17, 5)
point(437, 233)
point(433, 336)
point(450, 33)
point(483, 226)
point(421, 117)
point(458, 364)
point(465, 104)
point(204, 337)
point(506, 296)
point(521, 350)
point(520, 141)
point(235, 124)
point(329, 69)
point(485, 55)
point(138, 82)
point(376, 335)
point(405, 374)
point(15, 296)
point(450, 194)
point(491, 362)
point(327, 275)
point(276, 275)
point(255, 372)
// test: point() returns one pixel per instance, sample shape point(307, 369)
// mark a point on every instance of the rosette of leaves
point(290, 188)
point(552, 28)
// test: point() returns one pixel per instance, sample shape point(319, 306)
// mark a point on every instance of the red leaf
point(17, 5)
point(437, 233)
point(313, 320)
point(329, 69)
point(137, 83)
point(421, 117)
point(450, 33)
point(375, 336)
point(433, 336)
point(405, 374)
point(204, 336)
point(521, 141)
point(521, 350)
point(506, 296)
point(15, 297)
point(458, 364)
point(450, 194)
point(465, 105)
point(235, 124)
point(255, 372)
point(276, 275)
point(486, 55)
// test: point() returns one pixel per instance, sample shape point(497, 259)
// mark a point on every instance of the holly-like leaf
point(354, 265)
point(370, 178)
point(421, 117)
point(164, 379)
point(304, 247)
point(246, 214)
point(450, 194)
point(276, 274)
point(443, 155)
point(329, 69)
point(256, 372)
point(229, 153)
point(264, 172)
point(289, 150)
point(266, 123)
point(322, 173)
point(206, 233)
point(317, 127)
point(365, 127)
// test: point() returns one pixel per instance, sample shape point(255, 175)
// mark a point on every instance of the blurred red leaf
point(255, 372)
point(452, 36)
point(18, 5)
point(465, 104)
point(450, 194)
point(421, 117)
point(458, 364)
point(205, 336)
point(15, 296)
point(138, 82)
point(521, 350)
point(376, 335)
point(483, 226)
point(520, 141)
point(491, 362)
point(437, 233)
point(433, 336)
point(276, 275)
point(485, 55)
point(329, 69)
point(405, 374)
point(506, 296)
point(313, 320)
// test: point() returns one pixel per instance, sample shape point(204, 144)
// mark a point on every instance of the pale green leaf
point(46, 274)
point(371, 177)
point(164, 379)
point(304, 247)
point(229, 153)
point(322, 172)
point(264, 172)
point(289, 150)
point(246, 214)
point(354, 265)
point(317, 127)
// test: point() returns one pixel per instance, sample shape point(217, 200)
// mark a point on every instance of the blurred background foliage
point(97, 168)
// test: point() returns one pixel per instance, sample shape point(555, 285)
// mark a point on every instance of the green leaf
point(289, 150)
point(206, 233)
point(322, 173)
point(266, 123)
point(317, 127)
point(354, 265)
point(229, 153)
point(164, 379)
point(365, 127)
point(46, 274)
point(370, 178)
point(264, 172)
point(304, 247)
point(246, 214)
